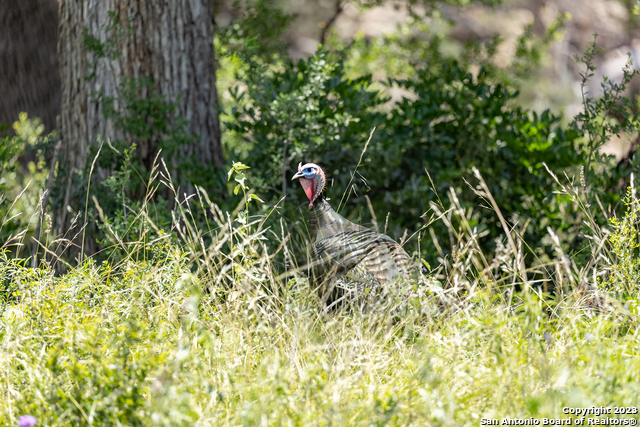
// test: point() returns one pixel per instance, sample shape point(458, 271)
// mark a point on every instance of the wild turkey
point(348, 262)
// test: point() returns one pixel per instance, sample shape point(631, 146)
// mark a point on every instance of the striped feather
point(349, 260)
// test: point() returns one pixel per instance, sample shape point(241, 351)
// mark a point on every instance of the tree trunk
point(104, 42)
point(29, 78)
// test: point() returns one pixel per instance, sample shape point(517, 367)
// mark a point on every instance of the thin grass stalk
point(86, 202)
point(348, 188)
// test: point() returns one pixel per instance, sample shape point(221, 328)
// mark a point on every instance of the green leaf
point(240, 179)
point(255, 197)
point(239, 166)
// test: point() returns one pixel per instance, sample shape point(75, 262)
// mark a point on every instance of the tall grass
point(195, 326)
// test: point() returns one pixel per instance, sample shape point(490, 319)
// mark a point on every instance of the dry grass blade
point(348, 190)
point(486, 193)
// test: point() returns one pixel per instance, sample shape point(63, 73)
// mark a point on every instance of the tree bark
point(29, 77)
point(170, 42)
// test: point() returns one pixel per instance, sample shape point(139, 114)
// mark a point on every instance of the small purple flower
point(424, 269)
point(27, 421)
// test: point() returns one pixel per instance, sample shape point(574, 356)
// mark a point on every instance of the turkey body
point(351, 263)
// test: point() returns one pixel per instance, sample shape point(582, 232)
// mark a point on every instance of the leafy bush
point(10, 147)
point(23, 172)
point(307, 111)
point(623, 280)
point(455, 122)
point(121, 176)
point(450, 122)
point(257, 33)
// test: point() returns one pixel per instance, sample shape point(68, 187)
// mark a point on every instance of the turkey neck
point(324, 221)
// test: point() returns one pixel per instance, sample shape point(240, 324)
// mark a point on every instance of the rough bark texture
point(29, 77)
point(168, 41)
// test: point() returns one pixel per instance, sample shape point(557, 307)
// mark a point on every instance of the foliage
point(148, 120)
point(530, 48)
point(240, 178)
point(307, 111)
point(192, 320)
point(21, 185)
point(10, 148)
point(108, 48)
point(139, 343)
point(433, 4)
point(257, 33)
point(150, 130)
point(455, 122)
point(28, 130)
point(418, 44)
point(624, 270)
point(609, 115)
point(450, 122)
point(450, 119)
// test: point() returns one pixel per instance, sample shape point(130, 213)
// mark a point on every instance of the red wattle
point(307, 186)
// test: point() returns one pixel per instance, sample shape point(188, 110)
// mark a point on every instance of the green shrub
point(455, 122)
point(23, 174)
point(622, 256)
point(307, 111)
point(451, 122)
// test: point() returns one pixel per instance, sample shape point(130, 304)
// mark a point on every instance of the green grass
point(138, 346)
point(138, 341)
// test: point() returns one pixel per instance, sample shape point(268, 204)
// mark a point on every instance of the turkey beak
point(297, 175)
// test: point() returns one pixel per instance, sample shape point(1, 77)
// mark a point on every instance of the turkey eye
point(307, 170)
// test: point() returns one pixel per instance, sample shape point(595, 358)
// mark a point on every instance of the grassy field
point(138, 341)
